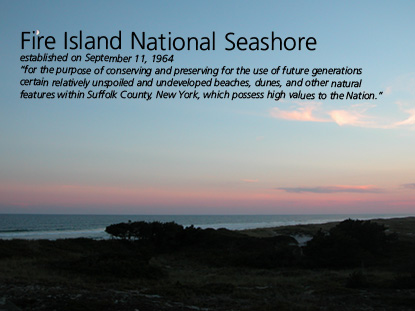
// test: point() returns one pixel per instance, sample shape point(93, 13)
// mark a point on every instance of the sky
point(215, 157)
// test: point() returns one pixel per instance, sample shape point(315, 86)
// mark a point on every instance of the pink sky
point(252, 200)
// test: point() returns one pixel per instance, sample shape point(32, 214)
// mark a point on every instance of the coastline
point(52, 227)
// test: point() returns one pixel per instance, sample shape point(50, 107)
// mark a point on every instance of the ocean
point(35, 226)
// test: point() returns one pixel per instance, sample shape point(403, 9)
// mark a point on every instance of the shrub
point(141, 230)
point(349, 244)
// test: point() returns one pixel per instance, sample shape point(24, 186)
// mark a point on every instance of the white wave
point(56, 234)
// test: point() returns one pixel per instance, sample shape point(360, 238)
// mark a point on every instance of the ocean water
point(24, 226)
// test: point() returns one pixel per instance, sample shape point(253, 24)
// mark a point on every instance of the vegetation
point(220, 247)
point(349, 244)
point(164, 266)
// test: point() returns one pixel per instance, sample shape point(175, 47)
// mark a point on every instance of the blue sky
point(216, 156)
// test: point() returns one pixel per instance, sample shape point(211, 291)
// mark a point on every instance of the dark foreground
point(353, 265)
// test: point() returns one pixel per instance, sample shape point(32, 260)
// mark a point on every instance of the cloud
point(303, 113)
point(314, 112)
point(333, 189)
point(250, 180)
point(355, 115)
point(409, 121)
point(343, 117)
point(409, 186)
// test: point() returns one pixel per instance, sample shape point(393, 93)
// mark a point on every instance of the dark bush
point(219, 247)
point(141, 230)
point(349, 244)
